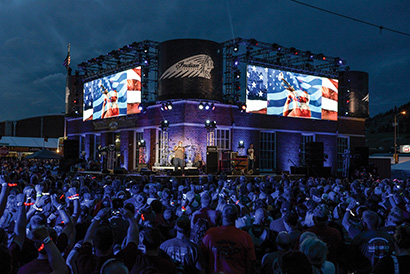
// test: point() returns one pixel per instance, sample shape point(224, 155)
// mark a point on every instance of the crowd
point(72, 223)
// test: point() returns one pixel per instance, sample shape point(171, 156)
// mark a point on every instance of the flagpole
point(67, 89)
point(68, 56)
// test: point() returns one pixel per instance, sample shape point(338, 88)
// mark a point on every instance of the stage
point(167, 172)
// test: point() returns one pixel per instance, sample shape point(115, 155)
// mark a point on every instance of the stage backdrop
point(190, 69)
point(276, 92)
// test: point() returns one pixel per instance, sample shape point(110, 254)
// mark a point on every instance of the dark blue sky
point(34, 37)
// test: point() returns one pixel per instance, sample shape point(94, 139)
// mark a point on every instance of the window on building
point(342, 145)
point(305, 139)
point(267, 157)
point(223, 139)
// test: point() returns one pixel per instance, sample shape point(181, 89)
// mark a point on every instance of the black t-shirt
point(185, 253)
point(369, 247)
point(89, 263)
point(386, 265)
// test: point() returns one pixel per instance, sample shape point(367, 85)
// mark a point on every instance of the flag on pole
point(67, 60)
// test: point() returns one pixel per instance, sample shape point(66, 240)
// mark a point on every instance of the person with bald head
point(227, 248)
point(274, 260)
point(263, 238)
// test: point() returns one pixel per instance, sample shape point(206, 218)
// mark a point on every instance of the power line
point(353, 19)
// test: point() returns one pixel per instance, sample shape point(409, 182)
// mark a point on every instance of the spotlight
point(212, 106)
point(207, 107)
point(253, 42)
point(146, 62)
point(236, 63)
point(164, 124)
point(242, 106)
point(146, 49)
point(142, 107)
point(237, 74)
point(339, 61)
point(241, 144)
point(276, 47)
point(169, 105)
point(165, 107)
point(294, 51)
point(141, 143)
point(309, 55)
point(237, 86)
point(235, 48)
point(210, 124)
point(201, 106)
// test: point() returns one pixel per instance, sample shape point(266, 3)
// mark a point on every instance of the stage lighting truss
point(272, 55)
point(235, 51)
point(143, 54)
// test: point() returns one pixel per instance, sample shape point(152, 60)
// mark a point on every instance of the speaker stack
point(360, 156)
point(71, 149)
point(211, 159)
point(314, 153)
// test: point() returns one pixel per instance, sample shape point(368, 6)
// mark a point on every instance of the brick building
point(282, 144)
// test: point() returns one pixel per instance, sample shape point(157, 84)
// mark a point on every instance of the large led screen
point(284, 93)
point(114, 95)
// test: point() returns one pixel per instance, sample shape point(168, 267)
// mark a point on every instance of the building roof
point(28, 142)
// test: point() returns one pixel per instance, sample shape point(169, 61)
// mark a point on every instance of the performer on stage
point(198, 159)
point(179, 156)
point(251, 158)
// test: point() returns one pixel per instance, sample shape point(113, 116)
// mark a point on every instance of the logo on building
point(195, 66)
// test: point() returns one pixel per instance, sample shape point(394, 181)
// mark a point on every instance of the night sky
point(34, 37)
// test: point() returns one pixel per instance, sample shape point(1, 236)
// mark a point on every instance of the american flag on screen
point(322, 92)
point(118, 82)
point(256, 89)
point(128, 86)
point(88, 102)
point(134, 85)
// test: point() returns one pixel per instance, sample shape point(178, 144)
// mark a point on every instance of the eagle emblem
point(195, 66)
